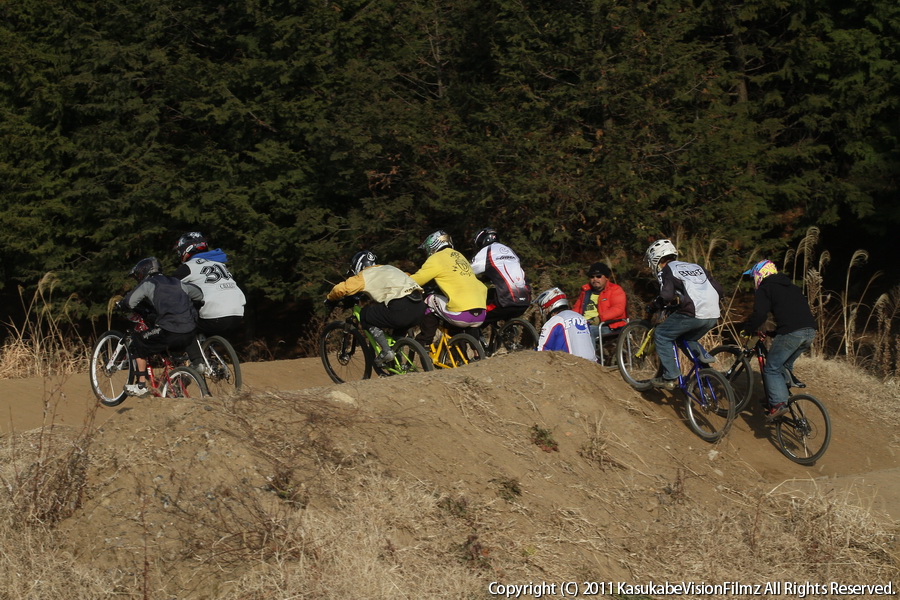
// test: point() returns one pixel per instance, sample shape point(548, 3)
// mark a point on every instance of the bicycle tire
point(345, 352)
point(462, 349)
point(181, 381)
point(737, 369)
point(108, 385)
point(516, 335)
point(803, 434)
point(637, 371)
point(409, 357)
point(225, 377)
point(711, 419)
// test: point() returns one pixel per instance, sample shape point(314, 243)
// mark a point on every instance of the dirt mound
point(535, 467)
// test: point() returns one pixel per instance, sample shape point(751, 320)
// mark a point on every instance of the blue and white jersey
point(567, 331)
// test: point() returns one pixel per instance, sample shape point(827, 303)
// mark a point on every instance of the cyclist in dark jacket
point(168, 306)
point(795, 328)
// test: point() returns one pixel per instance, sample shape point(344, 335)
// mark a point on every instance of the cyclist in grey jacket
point(167, 305)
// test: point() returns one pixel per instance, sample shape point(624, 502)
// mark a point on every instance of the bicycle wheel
point(736, 368)
point(409, 357)
point(461, 350)
point(710, 405)
point(111, 368)
point(225, 368)
point(184, 382)
point(804, 432)
point(345, 352)
point(516, 335)
point(636, 355)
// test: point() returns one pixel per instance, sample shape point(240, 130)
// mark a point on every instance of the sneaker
point(706, 357)
point(384, 357)
point(779, 410)
point(665, 384)
point(137, 389)
point(202, 369)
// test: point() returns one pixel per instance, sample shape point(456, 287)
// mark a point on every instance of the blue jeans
point(595, 331)
point(784, 351)
point(678, 326)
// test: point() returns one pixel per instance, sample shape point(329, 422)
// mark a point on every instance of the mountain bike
point(450, 351)
point(348, 351)
point(511, 335)
point(220, 367)
point(803, 434)
point(112, 368)
point(709, 400)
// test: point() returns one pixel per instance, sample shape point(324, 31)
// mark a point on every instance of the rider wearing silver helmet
point(168, 308)
point(698, 295)
point(397, 305)
point(564, 330)
point(462, 298)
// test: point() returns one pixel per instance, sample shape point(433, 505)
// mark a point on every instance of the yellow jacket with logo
point(452, 272)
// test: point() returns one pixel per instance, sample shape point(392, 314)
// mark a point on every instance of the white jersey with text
point(502, 267)
point(221, 295)
point(568, 331)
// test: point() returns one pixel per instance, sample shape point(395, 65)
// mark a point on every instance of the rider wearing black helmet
point(510, 293)
point(397, 304)
point(171, 316)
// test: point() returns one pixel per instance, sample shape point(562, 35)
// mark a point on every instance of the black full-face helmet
point(361, 260)
point(485, 237)
point(145, 268)
point(190, 244)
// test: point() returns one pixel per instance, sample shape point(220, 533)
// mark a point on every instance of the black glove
point(656, 305)
point(121, 306)
point(330, 304)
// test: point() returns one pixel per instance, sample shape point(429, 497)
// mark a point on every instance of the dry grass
point(42, 345)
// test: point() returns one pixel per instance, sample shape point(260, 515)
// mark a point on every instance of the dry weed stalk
point(887, 309)
point(48, 475)
point(40, 346)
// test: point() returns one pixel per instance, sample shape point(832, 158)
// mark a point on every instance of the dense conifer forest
point(295, 133)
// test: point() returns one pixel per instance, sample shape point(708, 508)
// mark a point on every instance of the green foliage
point(294, 134)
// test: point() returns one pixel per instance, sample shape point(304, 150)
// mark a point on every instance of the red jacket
point(611, 303)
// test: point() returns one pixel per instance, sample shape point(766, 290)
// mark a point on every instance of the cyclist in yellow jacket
point(462, 299)
point(397, 299)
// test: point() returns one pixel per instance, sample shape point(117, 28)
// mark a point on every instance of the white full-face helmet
point(551, 300)
point(657, 251)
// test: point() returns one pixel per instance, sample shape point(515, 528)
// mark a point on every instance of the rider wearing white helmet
point(698, 295)
point(564, 330)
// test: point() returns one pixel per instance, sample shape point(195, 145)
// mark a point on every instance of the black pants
point(157, 341)
point(397, 316)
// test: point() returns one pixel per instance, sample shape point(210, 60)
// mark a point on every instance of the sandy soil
point(463, 430)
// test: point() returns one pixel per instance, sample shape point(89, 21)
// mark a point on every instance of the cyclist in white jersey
point(222, 310)
point(565, 330)
point(698, 295)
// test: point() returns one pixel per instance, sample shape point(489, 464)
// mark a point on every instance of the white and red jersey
point(501, 266)
point(568, 331)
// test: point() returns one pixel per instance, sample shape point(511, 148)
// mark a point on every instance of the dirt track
point(858, 454)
